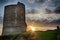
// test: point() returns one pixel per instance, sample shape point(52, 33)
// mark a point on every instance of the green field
point(42, 35)
point(48, 35)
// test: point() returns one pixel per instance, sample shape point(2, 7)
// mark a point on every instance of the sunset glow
point(32, 28)
point(35, 27)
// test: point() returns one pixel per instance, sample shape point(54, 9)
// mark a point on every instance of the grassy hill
point(41, 35)
point(47, 35)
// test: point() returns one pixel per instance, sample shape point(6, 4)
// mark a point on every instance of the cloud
point(48, 11)
point(56, 5)
point(53, 5)
point(40, 1)
point(55, 22)
point(57, 10)
point(41, 17)
point(32, 10)
point(31, 1)
point(36, 1)
point(39, 14)
point(2, 1)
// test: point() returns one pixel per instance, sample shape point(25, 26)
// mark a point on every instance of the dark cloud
point(33, 11)
point(48, 10)
point(53, 6)
point(55, 22)
point(54, 2)
point(57, 5)
point(57, 2)
point(57, 10)
point(2, 1)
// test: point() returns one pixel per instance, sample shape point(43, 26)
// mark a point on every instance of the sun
point(32, 28)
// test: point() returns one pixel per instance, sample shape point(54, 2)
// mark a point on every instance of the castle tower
point(14, 19)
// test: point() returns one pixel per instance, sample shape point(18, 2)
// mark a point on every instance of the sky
point(42, 12)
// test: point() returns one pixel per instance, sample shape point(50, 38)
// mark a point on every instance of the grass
point(48, 35)
point(42, 35)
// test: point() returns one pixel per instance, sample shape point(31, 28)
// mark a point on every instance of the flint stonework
point(14, 19)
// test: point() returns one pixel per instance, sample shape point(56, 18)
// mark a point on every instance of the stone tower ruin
point(14, 19)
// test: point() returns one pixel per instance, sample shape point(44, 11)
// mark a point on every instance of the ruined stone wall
point(14, 19)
